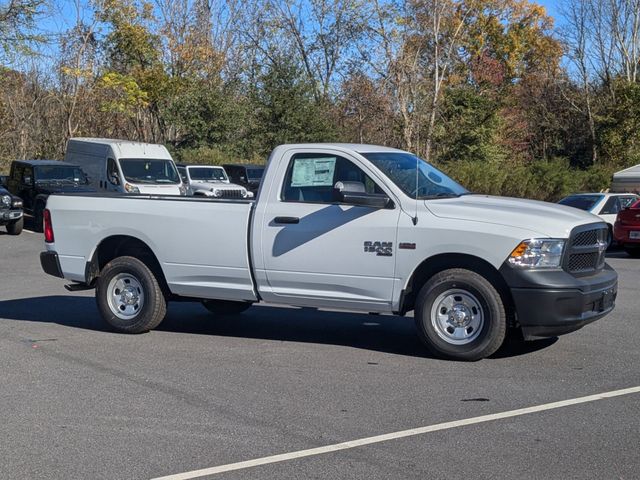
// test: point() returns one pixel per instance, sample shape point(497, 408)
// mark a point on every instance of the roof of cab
point(35, 163)
point(356, 147)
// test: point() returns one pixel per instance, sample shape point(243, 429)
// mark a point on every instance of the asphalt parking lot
point(80, 402)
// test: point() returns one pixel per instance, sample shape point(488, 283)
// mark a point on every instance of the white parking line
point(395, 435)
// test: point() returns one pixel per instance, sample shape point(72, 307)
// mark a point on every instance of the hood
point(544, 218)
point(173, 189)
point(216, 184)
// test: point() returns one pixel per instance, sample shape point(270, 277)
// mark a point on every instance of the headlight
point(217, 192)
point(131, 188)
point(6, 200)
point(538, 253)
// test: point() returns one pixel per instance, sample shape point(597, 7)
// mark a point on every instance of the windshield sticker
point(313, 172)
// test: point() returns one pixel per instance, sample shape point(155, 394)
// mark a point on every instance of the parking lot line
point(395, 435)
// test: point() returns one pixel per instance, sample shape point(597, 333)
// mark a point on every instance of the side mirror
point(3, 180)
point(113, 178)
point(354, 193)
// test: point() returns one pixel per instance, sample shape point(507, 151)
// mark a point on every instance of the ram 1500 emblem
point(381, 249)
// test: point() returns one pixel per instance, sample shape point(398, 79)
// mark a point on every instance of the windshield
point(142, 170)
point(414, 176)
point(60, 173)
point(208, 173)
point(255, 173)
point(583, 202)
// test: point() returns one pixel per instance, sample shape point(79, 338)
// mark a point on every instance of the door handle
point(286, 220)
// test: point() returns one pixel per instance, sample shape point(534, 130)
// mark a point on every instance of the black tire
point(633, 252)
point(225, 307)
point(154, 305)
point(15, 228)
point(491, 322)
point(38, 218)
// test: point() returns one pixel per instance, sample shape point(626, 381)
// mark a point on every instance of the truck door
point(319, 252)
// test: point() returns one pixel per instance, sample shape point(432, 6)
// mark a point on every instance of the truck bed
point(201, 244)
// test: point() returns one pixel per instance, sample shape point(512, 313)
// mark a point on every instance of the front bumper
point(7, 216)
point(555, 302)
point(51, 264)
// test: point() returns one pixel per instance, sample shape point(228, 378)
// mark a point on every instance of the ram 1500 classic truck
point(342, 226)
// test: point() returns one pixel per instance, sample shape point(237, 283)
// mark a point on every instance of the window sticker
point(313, 172)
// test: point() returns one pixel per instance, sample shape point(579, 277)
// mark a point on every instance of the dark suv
point(10, 211)
point(35, 180)
point(249, 176)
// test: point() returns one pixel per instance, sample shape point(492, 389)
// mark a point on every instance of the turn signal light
point(48, 227)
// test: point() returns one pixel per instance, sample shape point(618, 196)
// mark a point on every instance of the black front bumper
point(51, 264)
point(8, 216)
point(550, 303)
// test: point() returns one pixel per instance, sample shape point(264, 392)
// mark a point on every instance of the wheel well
point(429, 267)
point(120, 246)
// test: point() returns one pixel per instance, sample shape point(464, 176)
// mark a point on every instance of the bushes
point(211, 156)
point(547, 180)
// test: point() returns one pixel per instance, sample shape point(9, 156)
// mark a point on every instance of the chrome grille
point(583, 239)
point(232, 193)
point(587, 249)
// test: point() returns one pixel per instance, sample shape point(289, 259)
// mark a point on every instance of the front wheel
point(38, 219)
point(633, 252)
point(129, 296)
point(15, 228)
point(460, 315)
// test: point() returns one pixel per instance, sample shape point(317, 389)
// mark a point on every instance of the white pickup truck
point(342, 226)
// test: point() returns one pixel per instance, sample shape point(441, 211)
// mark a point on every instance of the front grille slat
point(231, 193)
point(587, 250)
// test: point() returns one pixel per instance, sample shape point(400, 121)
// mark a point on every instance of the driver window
point(311, 178)
point(112, 171)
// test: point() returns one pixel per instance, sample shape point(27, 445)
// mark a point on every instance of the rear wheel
point(38, 218)
point(225, 307)
point(460, 315)
point(15, 228)
point(129, 296)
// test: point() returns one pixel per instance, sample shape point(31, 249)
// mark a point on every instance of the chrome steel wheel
point(125, 296)
point(457, 316)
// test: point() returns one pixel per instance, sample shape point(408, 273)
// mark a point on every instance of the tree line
point(491, 91)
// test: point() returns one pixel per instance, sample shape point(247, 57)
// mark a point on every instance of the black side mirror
point(354, 193)
point(3, 180)
point(113, 178)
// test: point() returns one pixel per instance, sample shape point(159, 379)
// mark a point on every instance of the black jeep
point(249, 176)
point(35, 180)
point(10, 211)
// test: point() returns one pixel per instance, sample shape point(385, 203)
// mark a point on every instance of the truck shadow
point(387, 334)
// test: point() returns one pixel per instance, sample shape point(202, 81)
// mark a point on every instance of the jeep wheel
point(460, 315)
point(15, 228)
point(129, 296)
point(225, 307)
point(38, 219)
